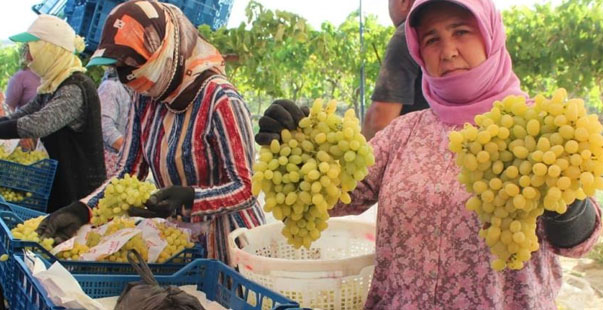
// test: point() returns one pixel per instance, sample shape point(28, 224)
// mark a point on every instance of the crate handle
point(141, 267)
point(232, 237)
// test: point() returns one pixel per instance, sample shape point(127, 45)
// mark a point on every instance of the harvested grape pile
point(176, 240)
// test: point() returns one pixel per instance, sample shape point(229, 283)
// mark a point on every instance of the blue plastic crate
point(88, 17)
point(219, 282)
point(11, 215)
point(36, 179)
point(23, 213)
point(6, 243)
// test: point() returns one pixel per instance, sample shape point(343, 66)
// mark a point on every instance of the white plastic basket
point(334, 274)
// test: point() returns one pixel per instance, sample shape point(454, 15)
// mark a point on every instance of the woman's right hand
point(281, 114)
point(64, 223)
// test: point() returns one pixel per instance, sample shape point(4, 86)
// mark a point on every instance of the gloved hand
point(281, 114)
point(166, 202)
point(572, 227)
point(8, 129)
point(63, 223)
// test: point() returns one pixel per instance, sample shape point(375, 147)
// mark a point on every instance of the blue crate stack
point(88, 17)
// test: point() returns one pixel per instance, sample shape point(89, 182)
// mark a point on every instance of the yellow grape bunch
point(26, 231)
point(75, 253)
point(12, 195)
point(520, 160)
point(135, 243)
point(313, 168)
point(3, 153)
point(121, 195)
point(24, 158)
point(177, 240)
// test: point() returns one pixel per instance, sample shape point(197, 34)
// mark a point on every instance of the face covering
point(53, 64)
point(160, 53)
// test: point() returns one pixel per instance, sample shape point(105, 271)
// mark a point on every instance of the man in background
point(398, 88)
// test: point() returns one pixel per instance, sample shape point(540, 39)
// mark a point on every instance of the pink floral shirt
point(429, 254)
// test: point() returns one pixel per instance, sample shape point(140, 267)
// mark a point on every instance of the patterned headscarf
point(159, 52)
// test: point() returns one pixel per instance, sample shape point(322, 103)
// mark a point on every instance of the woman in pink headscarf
point(428, 252)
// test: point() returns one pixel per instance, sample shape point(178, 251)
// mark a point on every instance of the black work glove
point(572, 227)
point(281, 114)
point(174, 200)
point(63, 223)
point(8, 129)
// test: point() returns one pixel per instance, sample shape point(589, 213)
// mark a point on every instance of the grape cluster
point(24, 158)
point(135, 243)
point(121, 195)
point(11, 195)
point(521, 160)
point(27, 231)
point(177, 240)
point(313, 168)
point(75, 253)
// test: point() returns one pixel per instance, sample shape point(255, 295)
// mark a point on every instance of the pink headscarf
point(457, 99)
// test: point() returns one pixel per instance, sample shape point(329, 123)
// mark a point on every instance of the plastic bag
point(148, 295)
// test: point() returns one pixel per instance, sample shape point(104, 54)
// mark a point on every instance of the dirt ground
point(582, 285)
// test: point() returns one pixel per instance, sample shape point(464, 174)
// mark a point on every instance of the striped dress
point(209, 146)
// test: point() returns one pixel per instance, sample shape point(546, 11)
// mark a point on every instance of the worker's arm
point(378, 116)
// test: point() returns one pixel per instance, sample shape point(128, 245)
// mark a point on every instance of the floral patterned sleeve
point(366, 193)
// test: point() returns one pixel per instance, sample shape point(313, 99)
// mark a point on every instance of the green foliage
point(277, 54)
point(280, 55)
point(558, 46)
point(9, 64)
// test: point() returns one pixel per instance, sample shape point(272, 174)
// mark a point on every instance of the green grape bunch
point(24, 158)
point(121, 195)
point(177, 240)
point(12, 195)
point(520, 160)
point(314, 167)
point(26, 231)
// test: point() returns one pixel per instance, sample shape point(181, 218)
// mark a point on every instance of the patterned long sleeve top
point(428, 252)
point(209, 147)
point(115, 102)
point(48, 113)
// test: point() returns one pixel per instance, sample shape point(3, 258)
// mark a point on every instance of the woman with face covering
point(187, 124)
point(429, 254)
point(65, 114)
